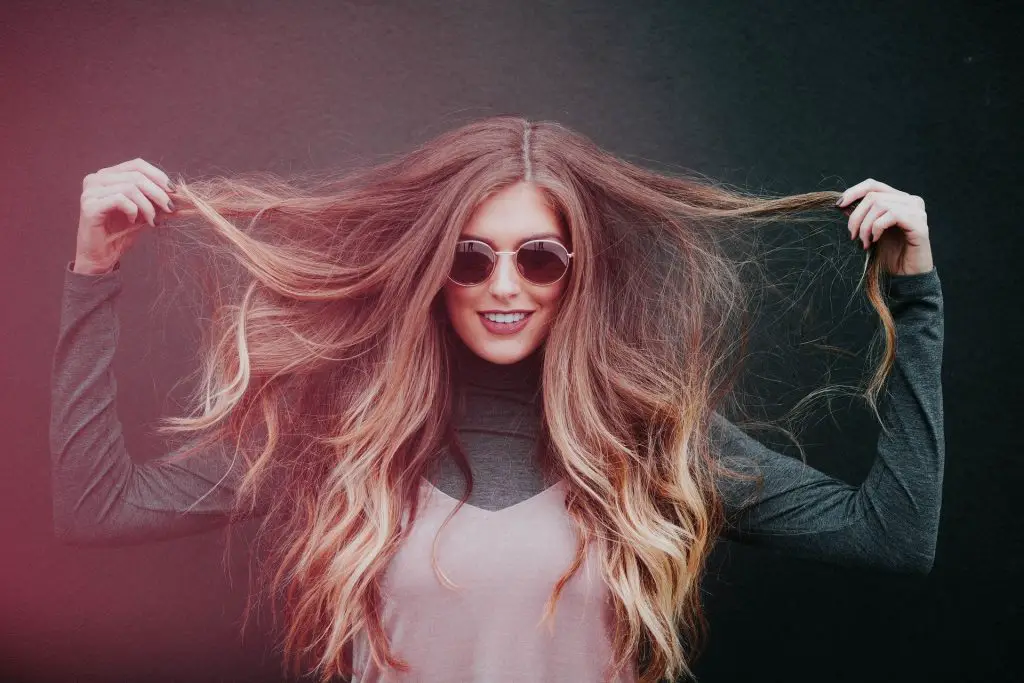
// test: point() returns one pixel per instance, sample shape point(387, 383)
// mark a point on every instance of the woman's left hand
point(883, 207)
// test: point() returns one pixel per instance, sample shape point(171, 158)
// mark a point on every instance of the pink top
point(505, 564)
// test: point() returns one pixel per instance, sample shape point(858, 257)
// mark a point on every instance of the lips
point(505, 328)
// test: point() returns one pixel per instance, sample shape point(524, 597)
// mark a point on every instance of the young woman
point(476, 394)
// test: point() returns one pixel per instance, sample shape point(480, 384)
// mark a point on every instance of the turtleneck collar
point(523, 375)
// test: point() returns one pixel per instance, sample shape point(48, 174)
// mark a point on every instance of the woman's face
point(506, 220)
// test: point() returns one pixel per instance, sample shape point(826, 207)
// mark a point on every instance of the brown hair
point(329, 333)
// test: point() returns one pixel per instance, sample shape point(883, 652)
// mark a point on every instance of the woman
point(513, 334)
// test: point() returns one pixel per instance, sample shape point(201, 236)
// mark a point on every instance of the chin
point(500, 354)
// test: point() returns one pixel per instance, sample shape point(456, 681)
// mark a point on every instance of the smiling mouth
point(518, 312)
point(524, 314)
point(502, 327)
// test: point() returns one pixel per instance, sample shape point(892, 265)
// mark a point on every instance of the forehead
point(515, 215)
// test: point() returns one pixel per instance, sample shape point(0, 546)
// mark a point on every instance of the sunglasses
point(542, 262)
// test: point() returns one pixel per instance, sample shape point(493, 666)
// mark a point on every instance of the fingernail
point(170, 205)
point(839, 202)
point(171, 187)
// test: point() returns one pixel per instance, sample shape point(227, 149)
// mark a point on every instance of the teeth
point(505, 317)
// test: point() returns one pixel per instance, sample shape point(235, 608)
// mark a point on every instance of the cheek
point(456, 299)
point(550, 299)
point(554, 296)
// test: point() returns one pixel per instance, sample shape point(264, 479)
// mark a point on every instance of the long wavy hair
point(325, 365)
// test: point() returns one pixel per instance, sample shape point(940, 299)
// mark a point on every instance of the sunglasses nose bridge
point(496, 264)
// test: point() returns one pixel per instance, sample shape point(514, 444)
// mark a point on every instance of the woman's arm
point(100, 496)
point(891, 520)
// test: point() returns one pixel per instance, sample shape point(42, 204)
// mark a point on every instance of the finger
point(862, 188)
point(857, 217)
point(869, 219)
point(148, 187)
point(107, 204)
point(132, 192)
point(849, 209)
point(138, 164)
point(885, 221)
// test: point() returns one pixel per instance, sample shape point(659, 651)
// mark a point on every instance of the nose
point(505, 279)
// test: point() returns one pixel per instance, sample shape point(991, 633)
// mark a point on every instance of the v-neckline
point(556, 486)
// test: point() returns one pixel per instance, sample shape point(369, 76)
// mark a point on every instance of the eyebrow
point(537, 236)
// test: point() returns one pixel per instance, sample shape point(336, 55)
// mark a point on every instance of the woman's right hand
point(116, 204)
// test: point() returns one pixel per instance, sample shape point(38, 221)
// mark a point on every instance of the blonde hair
point(332, 338)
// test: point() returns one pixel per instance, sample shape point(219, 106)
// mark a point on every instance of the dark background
point(783, 97)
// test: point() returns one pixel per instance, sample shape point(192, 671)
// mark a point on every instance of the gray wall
point(785, 97)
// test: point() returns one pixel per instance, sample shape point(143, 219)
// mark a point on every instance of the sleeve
point(100, 496)
point(891, 520)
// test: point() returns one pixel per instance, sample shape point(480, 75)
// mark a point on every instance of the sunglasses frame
point(515, 261)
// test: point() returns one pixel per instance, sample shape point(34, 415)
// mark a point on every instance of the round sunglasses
point(541, 262)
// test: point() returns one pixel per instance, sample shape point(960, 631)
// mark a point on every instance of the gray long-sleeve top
point(890, 521)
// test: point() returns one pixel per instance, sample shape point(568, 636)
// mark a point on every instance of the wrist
point(915, 261)
point(86, 267)
point(917, 267)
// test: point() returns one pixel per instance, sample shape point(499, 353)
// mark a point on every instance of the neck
point(523, 375)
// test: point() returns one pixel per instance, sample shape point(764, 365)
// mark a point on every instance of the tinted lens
point(541, 262)
point(472, 263)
